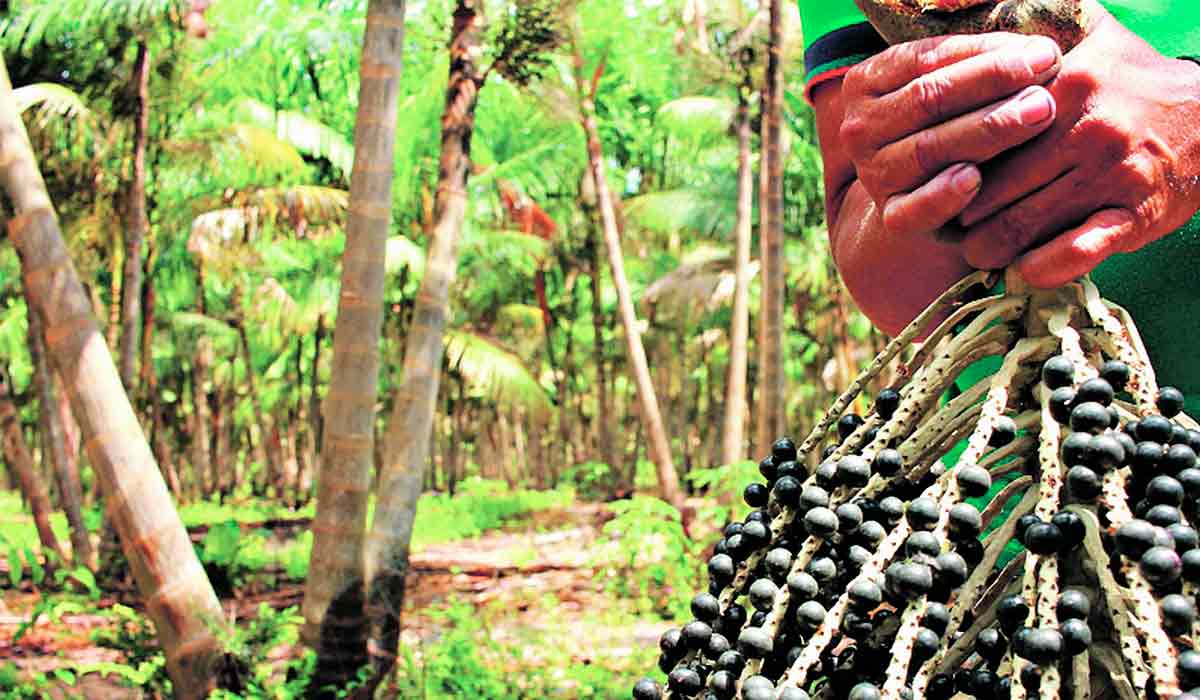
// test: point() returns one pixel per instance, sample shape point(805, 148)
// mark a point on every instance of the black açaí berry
point(1058, 371)
point(888, 462)
point(886, 403)
point(647, 689)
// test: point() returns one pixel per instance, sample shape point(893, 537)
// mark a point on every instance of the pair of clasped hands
point(968, 152)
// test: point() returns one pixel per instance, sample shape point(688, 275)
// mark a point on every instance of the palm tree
point(54, 443)
point(178, 595)
point(334, 592)
point(406, 451)
point(770, 329)
point(660, 445)
point(733, 448)
point(16, 455)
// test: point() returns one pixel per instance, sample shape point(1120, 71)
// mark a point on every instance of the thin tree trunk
point(608, 447)
point(770, 336)
point(660, 446)
point(407, 453)
point(138, 223)
point(733, 444)
point(302, 436)
point(54, 444)
point(178, 596)
point(202, 468)
point(315, 420)
point(259, 435)
point(20, 461)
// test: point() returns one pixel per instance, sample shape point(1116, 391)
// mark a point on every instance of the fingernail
point(1041, 55)
point(966, 180)
point(1034, 106)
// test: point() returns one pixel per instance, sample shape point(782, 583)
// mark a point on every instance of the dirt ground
point(516, 569)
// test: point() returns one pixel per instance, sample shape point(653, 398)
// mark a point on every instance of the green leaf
point(64, 676)
point(36, 571)
point(220, 545)
point(15, 567)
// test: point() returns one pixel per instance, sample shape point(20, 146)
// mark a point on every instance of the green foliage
point(467, 661)
point(727, 480)
point(15, 686)
point(480, 505)
point(132, 634)
point(592, 480)
point(650, 559)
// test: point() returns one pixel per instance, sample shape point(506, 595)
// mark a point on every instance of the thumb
point(1078, 251)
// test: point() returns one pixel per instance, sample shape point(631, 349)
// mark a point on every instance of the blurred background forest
point(200, 155)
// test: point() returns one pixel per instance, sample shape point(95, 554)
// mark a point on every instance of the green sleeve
point(821, 17)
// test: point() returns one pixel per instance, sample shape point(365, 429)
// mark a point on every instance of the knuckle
point(856, 80)
point(854, 133)
point(927, 96)
point(927, 152)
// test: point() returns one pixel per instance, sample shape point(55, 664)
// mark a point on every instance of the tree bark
point(407, 451)
point(20, 461)
point(770, 330)
point(138, 223)
point(603, 418)
point(334, 595)
point(733, 444)
point(54, 444)
point(260, 433)
point(203, 469)
point(660, 446)
point(177, 593)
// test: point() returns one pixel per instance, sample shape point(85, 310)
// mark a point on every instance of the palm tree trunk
point(202, 413)
point(733, 445)
point(54, 444)
point(260, 432)
point(660, 446)
point(603, 418)
point(135, 230)
point(407, 450)
point(176, 591)
point(20, 461)
point(770, 330)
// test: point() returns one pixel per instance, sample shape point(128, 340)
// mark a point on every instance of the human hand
point(1119, 168)
point(921, 115)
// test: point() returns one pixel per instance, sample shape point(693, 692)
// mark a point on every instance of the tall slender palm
point(16, 454)
point(660, 446)
point(406, 451)
point(137, 223)
point(334, 593)
point(770, 329)
point(54, 441)
point(733, 448)
point(178, 595)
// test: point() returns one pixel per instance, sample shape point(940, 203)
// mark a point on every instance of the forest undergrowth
point(516, 594)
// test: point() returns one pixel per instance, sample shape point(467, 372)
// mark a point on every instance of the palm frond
point(695, 118)
point(494, 372)
point(191, 326)
point(35, 22)
point(313, 203)
point(500, 244)
point(521, 318)
point(263, 148)
point(52, 102)
point(671, 211)
point(271, 304)
point(304, 133)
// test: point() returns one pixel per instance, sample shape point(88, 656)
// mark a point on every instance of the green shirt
point(1160, 284)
